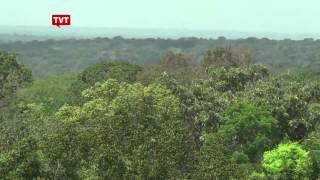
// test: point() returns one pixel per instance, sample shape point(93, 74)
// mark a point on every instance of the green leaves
point(290, 102)
point(101, 72)
point(288, 161)
point(142, 124)
point(12, 76)
point(215, 126)
point(250, 129)
point(23, 161)
point(214, 161)
point(237, 78)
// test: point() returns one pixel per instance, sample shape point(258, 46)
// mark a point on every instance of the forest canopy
point(189, 113)
point(53, 57)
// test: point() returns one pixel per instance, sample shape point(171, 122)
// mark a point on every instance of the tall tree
point(101, 72)
point(130, 131)
point(287, 161)
point(227, 57)
point(12, 76)
point(250, 129)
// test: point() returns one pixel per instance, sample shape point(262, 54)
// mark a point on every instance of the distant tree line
point(53, 57)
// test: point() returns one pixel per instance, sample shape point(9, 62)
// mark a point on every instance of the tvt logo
point(61, 20)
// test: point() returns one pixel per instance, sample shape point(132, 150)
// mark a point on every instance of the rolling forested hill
point(53, 57)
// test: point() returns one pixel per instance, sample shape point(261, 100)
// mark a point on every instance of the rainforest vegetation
point(160, 109)
point(53, 57)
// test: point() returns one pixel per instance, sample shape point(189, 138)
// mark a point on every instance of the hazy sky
point(280, 16)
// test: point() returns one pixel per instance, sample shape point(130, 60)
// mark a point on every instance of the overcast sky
point(277, 16)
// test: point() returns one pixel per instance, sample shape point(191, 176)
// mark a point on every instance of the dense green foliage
point(54, 57)
point(219, 117)
point(52, 92)
point(288, 161)
point(214, 161)
point(139, 127)
point(12, 76)
point(251, 130)
point(101, 72)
